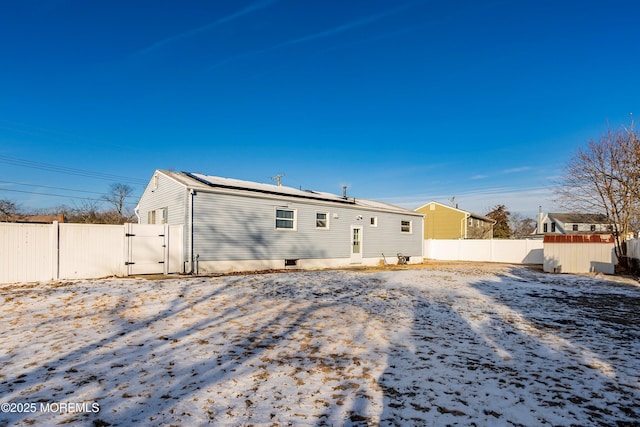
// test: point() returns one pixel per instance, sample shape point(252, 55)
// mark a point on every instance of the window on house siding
point(545, 227)
point(553, 227)
point(593, 227)
point(373, 221)
point(575, 227)
point(285, 219)
point(405, 226)
point(165, 216)
point(322, 220)
point(151, 217)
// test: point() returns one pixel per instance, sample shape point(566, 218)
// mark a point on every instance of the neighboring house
point(446, 222)
point(572, 223)
point(234, 225)
point(34, 219)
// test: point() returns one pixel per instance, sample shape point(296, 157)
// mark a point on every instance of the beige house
point(446, 222)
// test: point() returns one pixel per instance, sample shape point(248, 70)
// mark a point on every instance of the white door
point(146, 249)
point(356, 244)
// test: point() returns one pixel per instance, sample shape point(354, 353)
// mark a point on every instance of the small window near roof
point(373, 221)
point(593, 227)
point(575, 227)
point(405, 226)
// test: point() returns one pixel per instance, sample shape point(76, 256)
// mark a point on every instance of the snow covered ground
point(465, 345)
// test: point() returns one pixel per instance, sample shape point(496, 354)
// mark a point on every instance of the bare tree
point(521, 227)
point(118, 193)
point(87, 212)
point(604, 177)
point(8, 209)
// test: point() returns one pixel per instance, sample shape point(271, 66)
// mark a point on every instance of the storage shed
point(579, 253)
point(234, 225)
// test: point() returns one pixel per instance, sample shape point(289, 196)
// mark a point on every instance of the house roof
point(35, 219)
point(471, 214)
point(198, 181)
point(578, 218)
point(237, 184)
point(484, 218)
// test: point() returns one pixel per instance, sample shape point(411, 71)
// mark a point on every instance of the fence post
point(126, 230)
point(165, 255)
point(55, 250)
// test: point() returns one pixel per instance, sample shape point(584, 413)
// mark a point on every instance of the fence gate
point(146, 248)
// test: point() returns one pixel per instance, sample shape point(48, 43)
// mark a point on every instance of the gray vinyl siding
point(388, 239)
point(170, 195)
point(230, 227)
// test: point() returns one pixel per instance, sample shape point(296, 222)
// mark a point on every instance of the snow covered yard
point(466, 345)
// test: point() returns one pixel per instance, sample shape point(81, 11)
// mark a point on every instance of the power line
point(60, 195)
point(70, 171)
point(55, 188)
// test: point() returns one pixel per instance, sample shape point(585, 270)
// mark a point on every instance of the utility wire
point(55, 188)
point(60, 195)
point(70, 171)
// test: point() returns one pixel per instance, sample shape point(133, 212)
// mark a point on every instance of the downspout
point(191, 260)
point(463, 225)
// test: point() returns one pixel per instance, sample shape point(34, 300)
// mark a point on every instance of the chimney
point(539, 228)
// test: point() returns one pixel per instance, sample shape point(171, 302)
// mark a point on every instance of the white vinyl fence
point(525, 251)
point(26, 252)
point(633, 248)
point(41, 252)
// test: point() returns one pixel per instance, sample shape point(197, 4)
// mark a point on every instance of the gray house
point(233, 225)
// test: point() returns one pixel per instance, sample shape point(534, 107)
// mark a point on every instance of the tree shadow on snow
point(263, 349)
point(499, 352)
point(156, 359)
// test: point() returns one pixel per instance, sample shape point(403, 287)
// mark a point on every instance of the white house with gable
point(572, 223)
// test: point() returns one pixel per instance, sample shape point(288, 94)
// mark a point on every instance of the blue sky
point(402, 101)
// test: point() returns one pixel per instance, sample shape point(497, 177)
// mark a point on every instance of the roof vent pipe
point(344, 191)
point(540, 217)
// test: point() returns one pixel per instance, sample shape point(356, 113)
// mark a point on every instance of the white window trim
point(164, 216)
point(295, 219)
point(375, 221)
point(410, 227)
point(326, 227)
